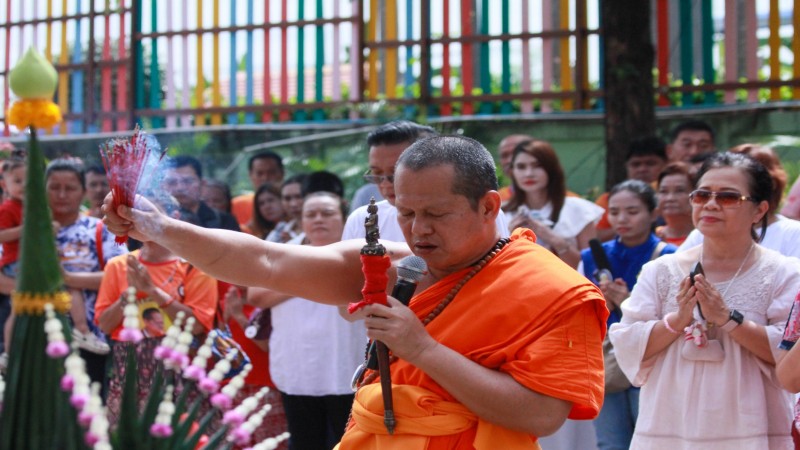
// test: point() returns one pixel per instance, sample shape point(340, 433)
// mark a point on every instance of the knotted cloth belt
point(421, 414)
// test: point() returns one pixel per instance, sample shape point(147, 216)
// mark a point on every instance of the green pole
point(505, 80)
point(300, 116)
point(486, 77)
point(319, 114)
point(709, 74)
point(687, 54)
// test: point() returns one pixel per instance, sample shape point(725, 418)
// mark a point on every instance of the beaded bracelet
point(669, 328)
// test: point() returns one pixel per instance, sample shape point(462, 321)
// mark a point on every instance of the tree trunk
point(628, 69)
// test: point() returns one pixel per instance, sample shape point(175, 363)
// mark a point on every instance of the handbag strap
point(657, 251)
point(98, 242)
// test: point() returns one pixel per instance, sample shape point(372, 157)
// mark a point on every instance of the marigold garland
point(39, 113)
point(33, 304)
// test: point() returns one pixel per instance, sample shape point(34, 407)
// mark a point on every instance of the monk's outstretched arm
point(329, 274)
point(490, 394)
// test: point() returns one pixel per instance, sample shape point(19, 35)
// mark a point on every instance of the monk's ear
point(489, 205)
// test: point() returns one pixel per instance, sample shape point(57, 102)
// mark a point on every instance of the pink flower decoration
point(131, 335)
point(233, 418)
point(194, 373)
point(67, 383)
point(85, 418)
point(208, 385)
point(241, 436)
point(78, 401)
point(91, 439)
point(161, 352)
point(221, 401)
point(57, 349)
point(160, 430)
point(179, 359)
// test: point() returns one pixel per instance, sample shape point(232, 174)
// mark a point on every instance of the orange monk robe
point(526, 313)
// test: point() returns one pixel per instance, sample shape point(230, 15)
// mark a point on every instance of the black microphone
point(601, 261)
point(410, 270)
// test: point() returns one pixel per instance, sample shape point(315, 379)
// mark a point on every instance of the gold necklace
point(438, 309)
point(741, 265)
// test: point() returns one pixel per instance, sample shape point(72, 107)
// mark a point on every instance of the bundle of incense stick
point(124, 161)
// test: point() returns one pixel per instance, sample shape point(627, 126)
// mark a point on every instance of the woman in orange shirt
point(163, 281)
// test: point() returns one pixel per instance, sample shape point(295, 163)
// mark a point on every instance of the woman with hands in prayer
point(703, 346)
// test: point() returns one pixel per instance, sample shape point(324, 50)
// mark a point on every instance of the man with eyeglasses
point(386, 143)
point(182, 180)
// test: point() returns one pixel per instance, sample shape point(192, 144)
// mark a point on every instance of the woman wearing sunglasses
point(703, 347)
point(783, 234)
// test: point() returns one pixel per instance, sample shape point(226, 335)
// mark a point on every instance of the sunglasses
point(724, 199)
point(378, 179)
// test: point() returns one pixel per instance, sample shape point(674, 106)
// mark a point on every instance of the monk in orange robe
point(526, 314)
point(515, 351)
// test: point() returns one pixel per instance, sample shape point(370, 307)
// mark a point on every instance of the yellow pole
point(199, 119)
point(566, 76)
point(63, 74)
point(372, 59)
point(774, 48)
point(391, 52)
point(216, 96)
point(796, 47)
point(48, 45)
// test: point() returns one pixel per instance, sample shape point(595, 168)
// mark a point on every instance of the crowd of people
point(659, 316)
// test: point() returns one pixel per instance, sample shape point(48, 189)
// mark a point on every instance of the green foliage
point(36, 413)
point(195, 144)
point(133, 430)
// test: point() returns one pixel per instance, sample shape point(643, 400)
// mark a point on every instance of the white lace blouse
point(687, 403)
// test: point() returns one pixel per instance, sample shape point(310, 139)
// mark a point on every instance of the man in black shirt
point(182, 179)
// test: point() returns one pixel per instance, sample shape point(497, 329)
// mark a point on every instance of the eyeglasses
point(377, 179)
point(724, 199)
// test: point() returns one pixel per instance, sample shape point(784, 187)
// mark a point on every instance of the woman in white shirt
point(313, 350)
point(564, 224)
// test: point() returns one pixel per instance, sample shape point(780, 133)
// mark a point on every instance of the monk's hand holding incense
point(144, 222)
point(399, 328)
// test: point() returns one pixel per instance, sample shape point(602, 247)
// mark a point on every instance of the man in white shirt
point(386, 143)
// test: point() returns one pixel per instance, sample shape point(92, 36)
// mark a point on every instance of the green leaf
point(181, 433)
point(201, 428)
point(129, 429)
point(153, 398)
point(216, 439)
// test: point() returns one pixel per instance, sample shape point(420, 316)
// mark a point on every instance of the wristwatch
point(735, 319)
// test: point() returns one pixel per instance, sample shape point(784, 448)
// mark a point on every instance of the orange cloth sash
point(420, 414)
